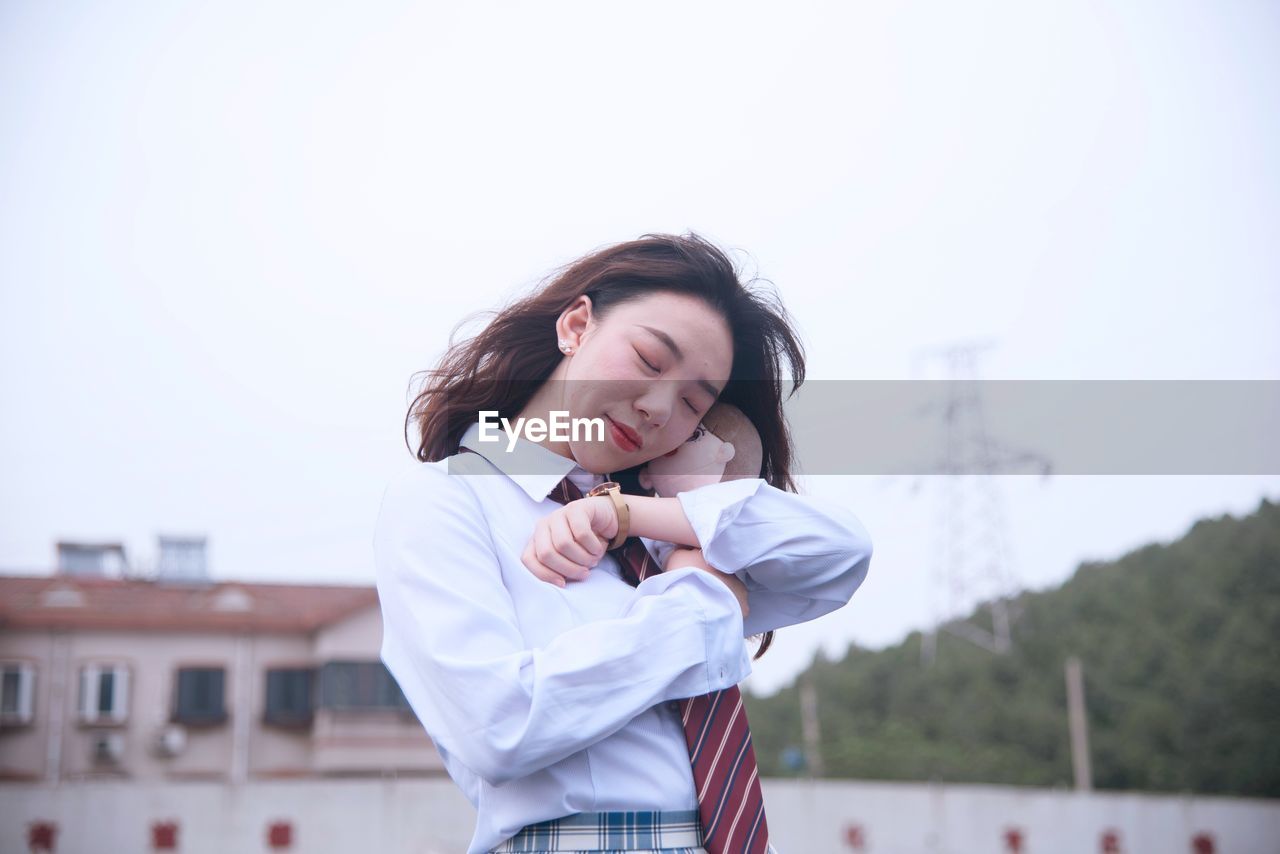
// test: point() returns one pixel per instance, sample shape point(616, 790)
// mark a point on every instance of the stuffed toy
point(726, 446)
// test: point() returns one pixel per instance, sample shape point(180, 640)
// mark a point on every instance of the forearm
point(504, 704)
point(660, 519)
point(799, 556)
point(507, 713)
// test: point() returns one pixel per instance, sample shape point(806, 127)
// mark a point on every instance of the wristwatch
point(614, 491)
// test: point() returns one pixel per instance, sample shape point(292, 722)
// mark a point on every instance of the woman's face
point(652, 366)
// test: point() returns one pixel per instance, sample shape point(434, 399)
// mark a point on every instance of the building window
point(17, 681)
point(289, 696)
point(359, 685)
point(104, 693)
point(199, 698)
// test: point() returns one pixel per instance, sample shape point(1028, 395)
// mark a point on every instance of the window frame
point(284, 717)
point(380, 681)
point(24, 703)
point(89, 687)
point(178, 715)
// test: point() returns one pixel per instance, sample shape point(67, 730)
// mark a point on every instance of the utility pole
point(1079, 726)
point(809, 727)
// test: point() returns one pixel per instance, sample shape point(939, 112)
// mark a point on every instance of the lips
point(627, 433)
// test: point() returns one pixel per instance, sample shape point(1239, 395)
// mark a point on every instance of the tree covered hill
point(1181, 678)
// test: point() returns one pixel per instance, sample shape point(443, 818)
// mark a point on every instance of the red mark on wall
point(854, 837)
point(1110, 842)
point(164, 836)
point(1202, 843)
point(280, 834)
point(1013, 840)
point(41, 836)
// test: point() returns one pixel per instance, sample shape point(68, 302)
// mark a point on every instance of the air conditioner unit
point(107, 748)
point(170, 739)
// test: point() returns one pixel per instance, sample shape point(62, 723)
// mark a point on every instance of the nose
point(654, 408)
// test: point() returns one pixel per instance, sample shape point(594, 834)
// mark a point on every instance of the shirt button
point(721, 672)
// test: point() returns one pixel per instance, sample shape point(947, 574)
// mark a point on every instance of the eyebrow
point(678, 353)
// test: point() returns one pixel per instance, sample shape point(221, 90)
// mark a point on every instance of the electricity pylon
point(974, 563)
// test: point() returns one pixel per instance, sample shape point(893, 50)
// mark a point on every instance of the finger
point(566, 541)
point(546, 551)
point(535, 566)
point(593, 543)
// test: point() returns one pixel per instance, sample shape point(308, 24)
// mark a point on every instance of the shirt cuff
point(712, 508)
point(728, 660)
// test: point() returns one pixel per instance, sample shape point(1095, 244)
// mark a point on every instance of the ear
point(573, 321)
point(725, 452)
point(643, 477)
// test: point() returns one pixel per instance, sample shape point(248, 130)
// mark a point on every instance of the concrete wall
point(430, 816)
point(906, 818)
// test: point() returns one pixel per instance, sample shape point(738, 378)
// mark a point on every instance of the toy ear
point(725, 452)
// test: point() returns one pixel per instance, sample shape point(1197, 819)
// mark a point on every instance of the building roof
point(65, 602)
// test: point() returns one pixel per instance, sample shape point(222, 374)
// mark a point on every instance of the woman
point(551, 686)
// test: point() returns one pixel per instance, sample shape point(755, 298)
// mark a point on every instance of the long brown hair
point(501, 367)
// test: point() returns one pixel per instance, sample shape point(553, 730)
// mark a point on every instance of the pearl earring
point(564, 345)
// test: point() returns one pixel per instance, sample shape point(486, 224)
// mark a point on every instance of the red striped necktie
point(730, 803)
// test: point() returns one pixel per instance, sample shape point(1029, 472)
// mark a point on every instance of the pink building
point(183, 678)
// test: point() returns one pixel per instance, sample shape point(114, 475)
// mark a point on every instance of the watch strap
point(614, 491)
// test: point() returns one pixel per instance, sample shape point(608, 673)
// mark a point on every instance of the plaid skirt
point(648, 831)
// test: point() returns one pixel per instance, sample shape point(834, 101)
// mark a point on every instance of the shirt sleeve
point(799, 556)
point(453, 643)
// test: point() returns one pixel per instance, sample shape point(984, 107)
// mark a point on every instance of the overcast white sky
point(230, 232)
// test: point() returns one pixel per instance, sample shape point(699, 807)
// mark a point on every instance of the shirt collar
point(535, 468)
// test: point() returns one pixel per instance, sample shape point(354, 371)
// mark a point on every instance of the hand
point(683, 557)
point(569, 541)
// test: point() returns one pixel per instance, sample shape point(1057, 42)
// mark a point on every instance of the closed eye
point(656, 369)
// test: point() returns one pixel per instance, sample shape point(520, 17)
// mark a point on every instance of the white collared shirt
point(544, 701)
